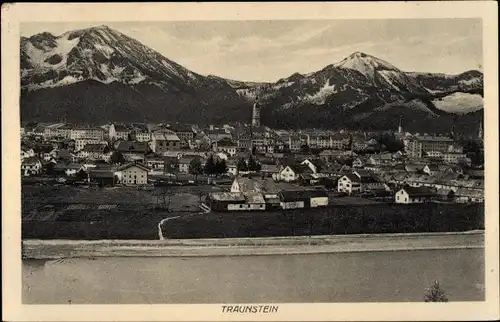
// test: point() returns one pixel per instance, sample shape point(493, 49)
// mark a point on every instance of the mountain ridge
point(55, 70)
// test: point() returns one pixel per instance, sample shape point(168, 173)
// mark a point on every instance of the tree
point(209, 167)
point(195, 168)
point(164, 195)
point(304, 148)
point(241, 165)
point(82, 175)
point(220, 167)
point(435, 294)
point(253, 165)
point(171, 165)
point(117, 157)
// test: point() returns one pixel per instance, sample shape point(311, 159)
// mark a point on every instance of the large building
point(417, 147)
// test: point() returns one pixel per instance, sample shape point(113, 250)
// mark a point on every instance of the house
point(66, 156)
point(330, 155)
point(310, 164)
point(134, 173)
point(164, 141)
point(255, 201)
point(358, 163)
point(141, 133)
point(27, 153)
point(431, 169)
point(290, 173)
point(269, 169)
point(185, 134)
point(349, 183)
point(119, 131)
point(465, 195)
point(294, 199)
point(154, 162)
point(380, 159)
point(90, 132)
point(67, 170)
point(184, 163)
point(409, 195)
point(103, 177)
point(232, 167)
point(80, 143)
point(94, 152)
point(226, 201)
point(31, 166)
point(226, 146)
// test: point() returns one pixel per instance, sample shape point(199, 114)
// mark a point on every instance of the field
point(67, 212)
point(334, 220)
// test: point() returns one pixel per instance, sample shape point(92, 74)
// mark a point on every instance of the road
point(52, 249)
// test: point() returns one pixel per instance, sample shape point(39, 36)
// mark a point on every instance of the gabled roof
point(31, 160)
point(134, 164)
point(419, 191)
point(297, 195)
point(94, 148)
point(227, 196)
point(132, 146)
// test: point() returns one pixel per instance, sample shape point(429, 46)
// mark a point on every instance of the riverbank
point(390, 276)
point(54, 249)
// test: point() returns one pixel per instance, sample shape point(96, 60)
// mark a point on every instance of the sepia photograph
point(249, 163)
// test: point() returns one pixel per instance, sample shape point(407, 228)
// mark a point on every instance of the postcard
point(250, 161)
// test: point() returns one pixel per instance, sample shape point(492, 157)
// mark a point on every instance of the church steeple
point(400, 127)
point(480, 134)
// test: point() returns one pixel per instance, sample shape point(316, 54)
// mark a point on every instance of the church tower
point(256, 114)
point(400, 127)
point(480, 134)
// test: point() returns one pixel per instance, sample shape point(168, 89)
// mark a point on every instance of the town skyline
point(266, 51)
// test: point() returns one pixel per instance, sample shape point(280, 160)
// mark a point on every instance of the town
point(257, 167)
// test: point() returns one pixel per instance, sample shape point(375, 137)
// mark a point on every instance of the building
point(119, 131)
point(408, 195)
point(67, 170)
point(290, 173)
point(27, 153)
point(31, 166)
point(418, 146)
point(296, 199)
point(103, 177)
point(95, 152)
point(226, 146)
point(185, 134)
point(163, 141)
point(226, 201)
point(80, 143)
point(185, 161)
point(431, 169)
point(455, 157)
point(88, 132)
point(141, 133)
point(349, 183)
point(134, 174)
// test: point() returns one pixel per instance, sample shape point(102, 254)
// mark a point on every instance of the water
point(338, 277)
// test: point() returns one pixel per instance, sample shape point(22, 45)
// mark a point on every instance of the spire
point(400, 127)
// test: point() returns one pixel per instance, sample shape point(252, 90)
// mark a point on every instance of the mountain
point(113, 77)
point(100, 74)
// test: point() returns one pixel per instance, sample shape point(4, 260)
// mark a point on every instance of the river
point(381, 276)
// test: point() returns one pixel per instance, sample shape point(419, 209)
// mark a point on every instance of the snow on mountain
point(125, 80)
point(459, 103)
point(365, 64)
point(98, 53)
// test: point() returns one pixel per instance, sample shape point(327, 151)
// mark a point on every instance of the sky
point(268, 50)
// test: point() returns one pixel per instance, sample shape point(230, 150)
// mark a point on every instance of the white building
point(408, 195)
